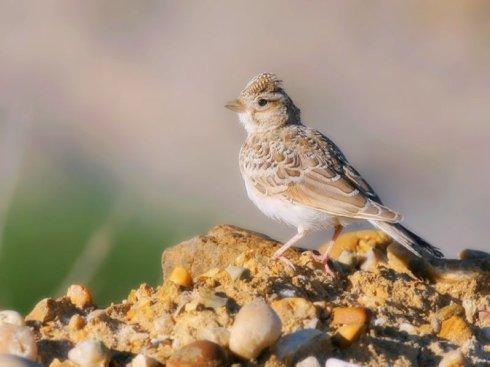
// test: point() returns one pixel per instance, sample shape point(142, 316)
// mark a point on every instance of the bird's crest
point(265, 82)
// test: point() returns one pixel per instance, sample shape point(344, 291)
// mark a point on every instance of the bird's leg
point(278, 255)
point(323, 259)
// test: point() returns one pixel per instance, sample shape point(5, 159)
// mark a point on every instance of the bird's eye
point(262, 102)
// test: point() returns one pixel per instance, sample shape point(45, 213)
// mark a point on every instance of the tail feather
point(407, 238)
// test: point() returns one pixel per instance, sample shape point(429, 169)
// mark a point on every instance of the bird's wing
point(303, 166)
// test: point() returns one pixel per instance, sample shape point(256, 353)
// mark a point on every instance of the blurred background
point(114, 142)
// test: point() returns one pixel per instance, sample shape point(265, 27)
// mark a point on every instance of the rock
point(348, 334)
point(17, 340)
point(358, 242)
point(15, 361)
point(256, 327)
point(89, 353)
point(454, 358)
point(217, 249)
point(349, 315)
point(348, 259)
point(11, 317)
point(181, 276)
point(66, 363)
point(334, 362)
point(293, 347)
point(308, 362)
point(295, 313)
point(80, 296)
point(456, 330)
point(372, 259)
point(201, 353)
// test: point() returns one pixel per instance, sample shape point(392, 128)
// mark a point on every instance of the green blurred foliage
point(56, 210)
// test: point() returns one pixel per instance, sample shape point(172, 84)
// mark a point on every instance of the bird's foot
point(324, 260)
point(286, 262)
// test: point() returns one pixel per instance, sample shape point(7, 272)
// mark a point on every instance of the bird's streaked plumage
point(297, 175)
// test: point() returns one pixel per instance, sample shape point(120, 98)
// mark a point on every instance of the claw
point(322, 259)
point(286, 262)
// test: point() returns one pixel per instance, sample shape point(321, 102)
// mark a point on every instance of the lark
point(298, 176)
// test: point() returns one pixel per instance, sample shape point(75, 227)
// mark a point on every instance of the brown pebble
point(348, 334)
point(79, 295)
point(43, 311)
point(181, 276)
point(77, 322)
point(349, 315)
point(201, 353)
point(456, 330)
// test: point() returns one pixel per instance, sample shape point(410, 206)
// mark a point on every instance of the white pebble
point(89, 353)
point(256, 327)
point(142, 361)
point(11, 317)
point(17, 340)
point(309, 362)
point(334, 362)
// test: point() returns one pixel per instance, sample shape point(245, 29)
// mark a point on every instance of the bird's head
point(264, 104)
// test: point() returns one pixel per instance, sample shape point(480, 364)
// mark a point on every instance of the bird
point(298, 176)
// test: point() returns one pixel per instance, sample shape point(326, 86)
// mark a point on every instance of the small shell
point(256, 327)
point(17, 340)
point(11, 317)
point(89, 353)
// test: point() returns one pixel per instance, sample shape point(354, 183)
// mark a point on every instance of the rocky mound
point(224, 302)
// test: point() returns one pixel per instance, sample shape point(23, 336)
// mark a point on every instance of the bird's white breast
point(290, 213)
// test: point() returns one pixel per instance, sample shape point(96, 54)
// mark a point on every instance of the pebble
point(347, 258)
point(373, 257)
point(349, 315)
point(348, 334)
point(15, 361)
point(308, 362)
point(334, 362)
point(293, 347)
point(79, 295)
point(17, 340)
point(89, 353)
point(218, 335)
point(209, 299)
point(181, 276)
point(454, 358)
point(201, 353)
point(295, 313)
point(237, 272)
point(11, 317)
point(456, 330)
point(43, 311)
point(142, 361)
point(256, 327)
point(77, 322)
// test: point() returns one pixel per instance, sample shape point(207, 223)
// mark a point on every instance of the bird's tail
point(407, 238)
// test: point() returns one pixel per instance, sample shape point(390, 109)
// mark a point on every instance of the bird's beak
point(235, 105)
